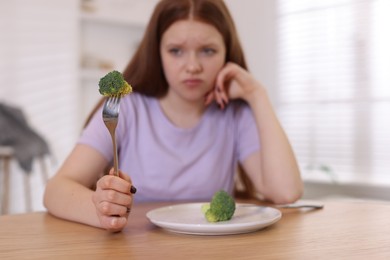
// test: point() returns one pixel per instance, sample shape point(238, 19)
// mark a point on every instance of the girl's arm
point(69, 193)
point(273, 170)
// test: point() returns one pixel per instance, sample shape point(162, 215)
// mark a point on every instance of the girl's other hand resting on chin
point(113, 201)
point(232, 82)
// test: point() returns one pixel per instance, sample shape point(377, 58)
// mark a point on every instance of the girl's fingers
point(217, 97)
point(234, 72)
point(112, 209)
point(214, 95)
point(236, 80)
point(224, 76)
point(114, 183)
point(209, 98)
point(223, 94)
point(112, 200)
point(232, 82)
point(126, 177)
point(112, 196)
point(113, 223)
point(122, 184)
point(225, 80)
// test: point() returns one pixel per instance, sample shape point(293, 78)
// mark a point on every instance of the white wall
point(255, 22)
point(38, 73)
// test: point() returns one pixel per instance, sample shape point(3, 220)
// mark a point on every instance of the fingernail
point(225, 103)
point(133, 189)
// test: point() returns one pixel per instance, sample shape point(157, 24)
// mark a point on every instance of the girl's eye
point(208, 51)
point(175, 51)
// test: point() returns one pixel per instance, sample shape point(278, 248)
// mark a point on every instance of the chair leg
point(27, 183)
point(5, 195)
point(27, 190)
point(45, 175)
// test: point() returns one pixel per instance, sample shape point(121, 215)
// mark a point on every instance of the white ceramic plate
point(189, 219)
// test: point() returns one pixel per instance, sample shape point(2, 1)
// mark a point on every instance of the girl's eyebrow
point(169, 44)
point(207, 44)
point(172, 45)
point(211, 44)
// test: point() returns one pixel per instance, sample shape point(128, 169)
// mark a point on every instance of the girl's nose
point(193, 65)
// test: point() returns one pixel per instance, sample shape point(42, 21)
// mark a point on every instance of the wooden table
point(341, 230)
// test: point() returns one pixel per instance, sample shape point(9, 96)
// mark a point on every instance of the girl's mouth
point(192, 82)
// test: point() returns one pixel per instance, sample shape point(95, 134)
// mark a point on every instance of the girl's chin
point(193, 101)
point(193, 96)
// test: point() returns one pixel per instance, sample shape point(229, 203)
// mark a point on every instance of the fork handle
point(115, 152)
point(133, 189)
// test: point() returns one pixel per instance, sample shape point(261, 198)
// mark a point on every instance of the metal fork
point(110, 118)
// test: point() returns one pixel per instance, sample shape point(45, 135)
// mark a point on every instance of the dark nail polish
point(133, 189)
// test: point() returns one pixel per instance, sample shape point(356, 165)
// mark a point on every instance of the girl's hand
point(113, 201)
point(233, 82)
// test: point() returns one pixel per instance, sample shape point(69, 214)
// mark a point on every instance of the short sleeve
point(96, 135)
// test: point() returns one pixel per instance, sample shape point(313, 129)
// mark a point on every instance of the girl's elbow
point(293, 193)
point(293, 196)
point(289, 195)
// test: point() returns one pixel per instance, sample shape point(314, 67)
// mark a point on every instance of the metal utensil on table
point(110, 118)
point(312, 204)
point(299, 204)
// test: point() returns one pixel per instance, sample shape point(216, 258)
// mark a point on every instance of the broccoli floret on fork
point(113, 84)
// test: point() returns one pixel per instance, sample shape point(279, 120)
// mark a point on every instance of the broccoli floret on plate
point(221, 207)
point(113, 84)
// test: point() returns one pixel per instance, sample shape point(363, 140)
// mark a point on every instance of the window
point(334, 87)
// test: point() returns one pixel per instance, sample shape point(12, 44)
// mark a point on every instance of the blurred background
point(325, 64)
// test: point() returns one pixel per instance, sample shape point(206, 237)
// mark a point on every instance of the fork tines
point(111, 106)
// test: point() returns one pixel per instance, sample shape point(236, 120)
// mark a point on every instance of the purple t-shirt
point(166, 162)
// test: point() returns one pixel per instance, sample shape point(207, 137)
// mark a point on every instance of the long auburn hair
point(145, 72)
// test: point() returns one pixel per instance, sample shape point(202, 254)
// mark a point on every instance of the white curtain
point(334, 87)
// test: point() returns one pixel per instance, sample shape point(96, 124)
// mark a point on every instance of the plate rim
point(218, 228)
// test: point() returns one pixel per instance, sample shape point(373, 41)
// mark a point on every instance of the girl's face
point(192, 54)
